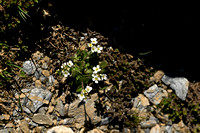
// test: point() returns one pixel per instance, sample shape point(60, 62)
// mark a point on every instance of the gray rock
point(68, 121)
point(42, 119)
point(43, 79)
point(51, 80)
point(38, 97)
point(29, 67)
point(26, 110)
point(148, 124)
point(180, 85)
point(168, 129)
point(37, 75)
point(156, 94)
point(60, 108)
point(106, 120)
point(78, 111)
point(31, 123)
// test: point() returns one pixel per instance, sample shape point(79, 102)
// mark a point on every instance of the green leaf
point(89, 71)
point(104, 88)
point(85, 53)
point(79, 89)
point(75, 72)
point(78, 77)
point(103, 64)
point(85, 79)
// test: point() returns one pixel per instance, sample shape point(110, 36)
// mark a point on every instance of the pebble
point(155, 129)
point(37, 55)
point(148, 124)
point(46, 73)
point(4, 117)
point(38, 83)
point(180, 85)
point(60, 108)
point(156, 94)
point(158, 75)
point(141, 100)
point(29, 67)
point(42, 119)
point(60, 129)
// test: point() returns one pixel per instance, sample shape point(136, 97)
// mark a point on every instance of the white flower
point(99, 48)
point(63, 65)
point(96, 79)
point(95, 75)
point(103, 76)
point(90, 45)
point(88, 88)
point(83, 91)
point(81, 96)
point(65, 73)
point(93, 40)
point(94, 49)
point(96, 69)
point(70, 63)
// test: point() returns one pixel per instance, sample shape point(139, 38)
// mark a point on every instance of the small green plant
point(84, 69)
point(7, 65)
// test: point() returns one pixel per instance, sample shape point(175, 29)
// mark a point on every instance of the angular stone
point(141, 100)
point(51, 80)
point(44, 65)
point(29, 67)
point(60, 129)
point(156, 94)
point(158, 75)
point(180, 85)
point(180, 127)
point(24, 126)
point(42, 119)
point(38, 83)
point(38, 97)
point(46, 73)
point(78, 111)
point(148, 124)
point(60, 108)
point(155, 129)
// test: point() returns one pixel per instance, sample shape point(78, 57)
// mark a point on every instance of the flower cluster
point(66, 67)
point(79, 68)
point(84, 93)
point(96, 77)
point(94, 48)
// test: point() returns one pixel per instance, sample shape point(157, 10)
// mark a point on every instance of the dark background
point(171, 33)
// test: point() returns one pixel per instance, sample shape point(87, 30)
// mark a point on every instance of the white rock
point(29, 67)
point(60, 129)
point(180, 85)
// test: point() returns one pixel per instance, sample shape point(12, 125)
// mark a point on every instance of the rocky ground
point(39, 101)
